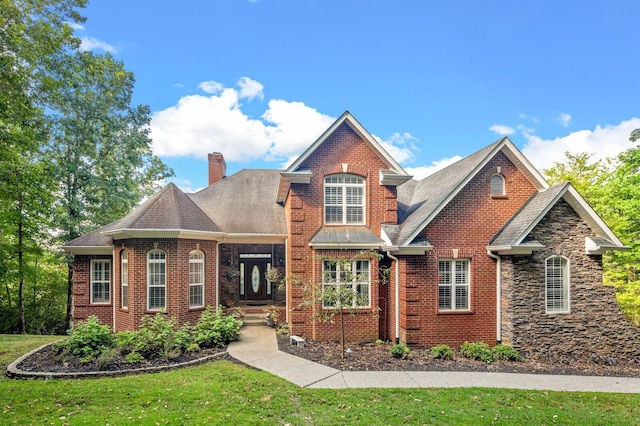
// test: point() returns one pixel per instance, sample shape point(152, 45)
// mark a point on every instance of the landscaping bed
point(377, 357)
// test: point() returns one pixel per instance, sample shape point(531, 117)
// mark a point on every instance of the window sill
point(498, 197)
point(469, 312)
point(196, 308)
point(100, 303)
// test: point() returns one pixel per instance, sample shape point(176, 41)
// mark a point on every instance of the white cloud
point(200, 124)
point(250, 89)
point(91, 43)
point(211, 87)
point(564, 119)
point(501, 129)
point(424, 171)
point(400, 146)
point(75, 26)
point(602, 142)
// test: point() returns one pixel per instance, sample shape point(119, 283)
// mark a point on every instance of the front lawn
point(225, 393)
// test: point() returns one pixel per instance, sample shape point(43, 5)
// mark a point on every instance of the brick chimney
point(217, 167)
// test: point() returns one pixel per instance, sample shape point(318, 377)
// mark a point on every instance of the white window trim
point(566, 287)
point(124, 278)
point(453, 285)
point(354, 282)
point(164, 285)
point(344, 204)
point(198, 261)
point(106, 270)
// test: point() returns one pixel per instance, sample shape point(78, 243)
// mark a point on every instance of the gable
point(420, 202)
point(345, 142)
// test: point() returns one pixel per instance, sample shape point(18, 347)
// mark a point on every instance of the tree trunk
point(342, 330)
point(22, 326)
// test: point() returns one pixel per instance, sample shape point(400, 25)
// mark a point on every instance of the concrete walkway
point(258, 348)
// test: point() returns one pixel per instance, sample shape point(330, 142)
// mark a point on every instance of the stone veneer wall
point(595, 325)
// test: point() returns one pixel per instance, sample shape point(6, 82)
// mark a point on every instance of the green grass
point(225, 393)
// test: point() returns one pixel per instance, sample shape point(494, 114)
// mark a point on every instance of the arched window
point(124, 279)
point(344, 200)
point(156, 280)
point(557, 284)
point(196, 279)
point(497, 185)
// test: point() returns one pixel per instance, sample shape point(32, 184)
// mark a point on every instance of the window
point(156, 280)
point(453, 285)
point(557, 284)
point(196, 279)
point(497, 185)
point(100, 276)
point(344, 200)
point(347, 281)
point(124, 279)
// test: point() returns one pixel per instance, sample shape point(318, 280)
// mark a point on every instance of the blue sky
point(260, 80)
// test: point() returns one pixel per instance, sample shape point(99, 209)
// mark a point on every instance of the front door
point(255, 283)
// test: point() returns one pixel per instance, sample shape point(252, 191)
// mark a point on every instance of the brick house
point(483, 250)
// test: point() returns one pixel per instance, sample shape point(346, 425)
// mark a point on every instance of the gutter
point(397, 295)
point(498, 295)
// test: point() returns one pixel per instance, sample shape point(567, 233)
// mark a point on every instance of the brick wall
point(595, 325)
point(463, 230)
point(342, 152)
point(177, 282)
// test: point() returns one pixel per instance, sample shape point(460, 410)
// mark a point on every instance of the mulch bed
point(377, 357)
point(45, 361)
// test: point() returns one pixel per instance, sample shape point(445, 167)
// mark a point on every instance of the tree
point(100, 148)
point(338, 294)
point(31, 31)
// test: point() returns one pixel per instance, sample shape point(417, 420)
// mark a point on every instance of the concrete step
point(254, 319)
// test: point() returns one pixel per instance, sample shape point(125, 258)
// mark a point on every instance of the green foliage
point(400, 351)
point(477, 350)
point(442, 352)
point(214, 329)
point(505, 353)
point(87, 339)
point(133, 358)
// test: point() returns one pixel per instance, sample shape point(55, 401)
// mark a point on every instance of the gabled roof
point(394, 174)
point(514, 236)
point(421, 201)
point(243, 205)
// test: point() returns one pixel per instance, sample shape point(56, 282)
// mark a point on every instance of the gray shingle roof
point(516, 230)
point(354, 236)
point(418, 201)
point(169, 209)
point(244, 203)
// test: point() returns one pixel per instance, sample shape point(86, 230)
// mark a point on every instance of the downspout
point(397, 277)
point(218, 271)
point(286, 286)
point(113, 293)
point(498, 295)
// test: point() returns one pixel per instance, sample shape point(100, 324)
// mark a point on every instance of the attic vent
point(497, 185)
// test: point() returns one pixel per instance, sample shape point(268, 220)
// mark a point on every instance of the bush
point(87, 340)
point(478, 350)
point(443, 352)
point(133, 358)
point(505, 353)
point(400, 351)
point(214, 329)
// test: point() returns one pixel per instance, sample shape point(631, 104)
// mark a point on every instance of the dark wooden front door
point(255, 283)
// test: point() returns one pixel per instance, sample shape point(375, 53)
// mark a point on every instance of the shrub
point(106, 356)
point(87, 339)
point(478, 350)
point(400, 351)
point(214, 329)
point(443, 352)
point(505, 353)
point(133, 358)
